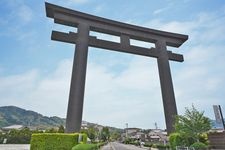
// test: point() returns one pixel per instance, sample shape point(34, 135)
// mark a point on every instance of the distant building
point(153, 135)
point(16, 127)
point(132, 130)
point(157, 135)
point(84, 125)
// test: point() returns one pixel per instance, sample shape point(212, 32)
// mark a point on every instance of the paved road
point(14, 146)
point(119, 146)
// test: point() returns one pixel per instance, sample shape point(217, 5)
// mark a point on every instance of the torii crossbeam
point(86, 23)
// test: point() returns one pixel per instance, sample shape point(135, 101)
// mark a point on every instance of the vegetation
point(176, 139)
point(88, 146)
point(85, 147)
point(105, 134)
point(115, 135)
point(84, 138)
point(61, 129)
point(190, 128)
point(199, 146)
point(160, 146)
point(91, 133)
point(23, 136)
point(17, 136)
point(56, 141)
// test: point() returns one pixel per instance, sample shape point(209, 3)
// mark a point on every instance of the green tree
point(192, 125)
point(115, 135)
point(61, 129)
point(91, 133)
point(18, 136)
point(105, 134)
point(51, 130)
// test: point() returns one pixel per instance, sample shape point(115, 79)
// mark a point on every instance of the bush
point(199, 146)
point(127, 141)
point(85, 147)
point(175, 139)
point(161, 146)
point(17, 136)
point(203, 138)
point(148, 145)
point(135, 143)
point(53, 141)
point(154, 146)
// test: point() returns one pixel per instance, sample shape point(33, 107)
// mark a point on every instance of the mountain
point(10, 115)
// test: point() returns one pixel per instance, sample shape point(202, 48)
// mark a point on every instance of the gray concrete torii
point(86, 23)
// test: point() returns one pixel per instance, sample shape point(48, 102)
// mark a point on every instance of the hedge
point(85, 147)
point(84, 138)
point(54, 141)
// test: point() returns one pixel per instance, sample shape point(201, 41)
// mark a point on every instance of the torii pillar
point(77, 87)
point(86, 23)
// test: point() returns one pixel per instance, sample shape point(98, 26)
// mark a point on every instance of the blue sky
point(121, 88)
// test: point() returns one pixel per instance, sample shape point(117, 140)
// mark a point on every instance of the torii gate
point(86, 23)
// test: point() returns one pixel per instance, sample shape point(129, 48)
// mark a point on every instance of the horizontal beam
point(70, 17)
point(94, 42)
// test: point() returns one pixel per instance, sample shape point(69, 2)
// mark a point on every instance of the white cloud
point(99, 8)
point(47, 95)
point(107, 96)
point(25, 13)
point(14, 88)
point(158, 11)
point(115, 100)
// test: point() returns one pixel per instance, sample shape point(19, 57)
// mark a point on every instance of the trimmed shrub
point(199, 146)
point(84, 138)
point(85, 147)
point(53, 141)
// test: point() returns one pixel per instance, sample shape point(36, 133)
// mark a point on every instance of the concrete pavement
point(14, 146)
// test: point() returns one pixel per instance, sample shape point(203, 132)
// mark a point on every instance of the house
point(134, 133)
point(152, 135)
point(157, 135)
point(132, 130)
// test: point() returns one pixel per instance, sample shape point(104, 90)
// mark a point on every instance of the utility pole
point(156, 126)
point(126, 129)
